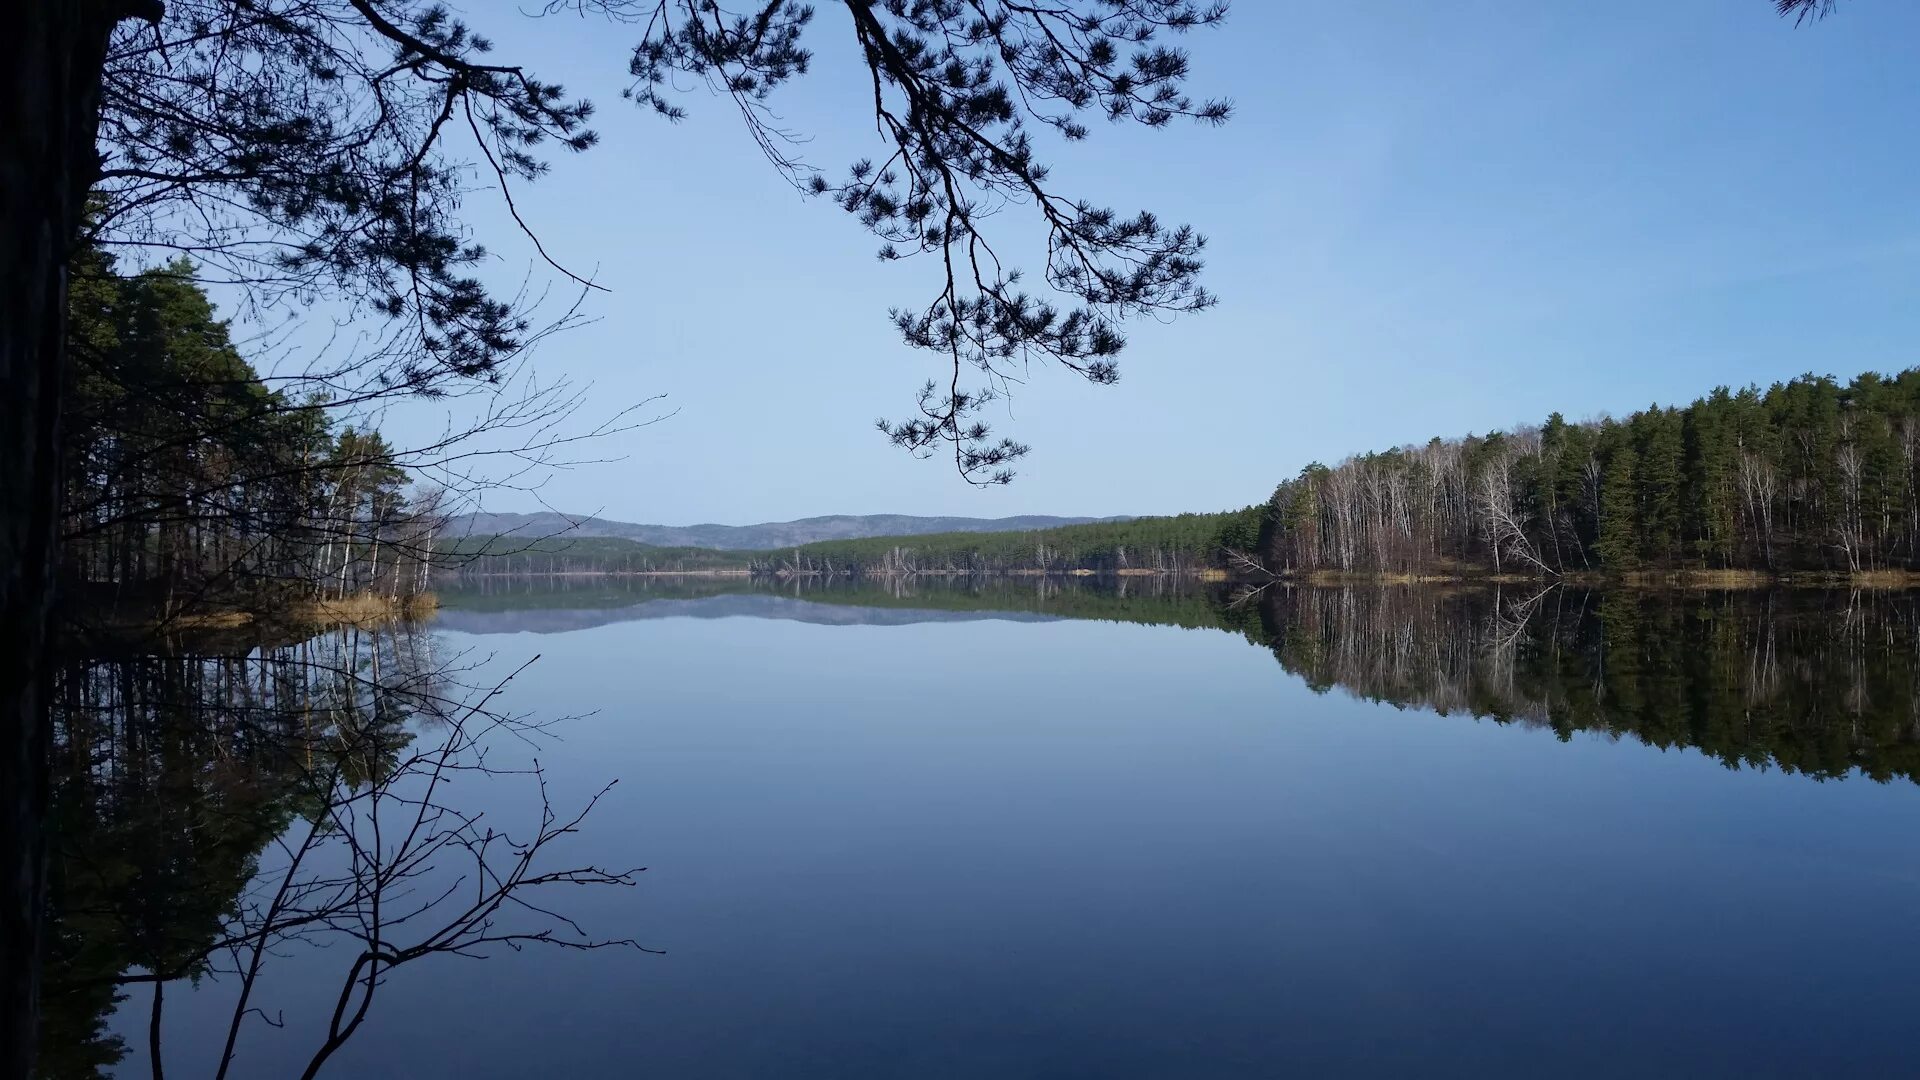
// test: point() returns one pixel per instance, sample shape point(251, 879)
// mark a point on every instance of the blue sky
point(1424, 219)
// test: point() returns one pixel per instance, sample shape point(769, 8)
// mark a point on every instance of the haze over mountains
point(762, 537)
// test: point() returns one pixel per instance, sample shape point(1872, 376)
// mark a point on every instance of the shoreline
point(1638, 579)
point(1711, 580)
point(784, 575)
point(359, 610)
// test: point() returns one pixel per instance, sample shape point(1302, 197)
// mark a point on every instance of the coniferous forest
point(191, 484)
point(1172, 544)
point(1808, 475)
point(1176, 543)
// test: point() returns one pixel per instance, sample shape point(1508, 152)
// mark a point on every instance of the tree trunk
point(50, 60)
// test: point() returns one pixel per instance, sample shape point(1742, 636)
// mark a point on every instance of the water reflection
point(1814, 682)
point(215, 809)
point(220, 808)
point(531, 605)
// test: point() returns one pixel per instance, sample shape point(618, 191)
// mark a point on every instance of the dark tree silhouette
point(311, 147)
point(1804, 10)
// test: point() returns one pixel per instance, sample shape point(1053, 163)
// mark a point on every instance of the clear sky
point(1424, 219)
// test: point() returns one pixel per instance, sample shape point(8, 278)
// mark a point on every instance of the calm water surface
point(1032, 831)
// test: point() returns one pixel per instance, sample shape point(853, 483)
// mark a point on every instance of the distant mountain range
point(762, 537)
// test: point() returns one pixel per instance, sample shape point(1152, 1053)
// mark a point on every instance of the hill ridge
point(757, 537)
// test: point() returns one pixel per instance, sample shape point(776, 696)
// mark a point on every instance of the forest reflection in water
point(216, 808)
point(1812, 681)
point(1816, 683)
point(221, 807)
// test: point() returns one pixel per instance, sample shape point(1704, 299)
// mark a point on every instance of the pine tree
point(1618, 541)
point(1711, 503)
point(1659, 475)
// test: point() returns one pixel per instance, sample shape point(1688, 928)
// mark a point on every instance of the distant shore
point(1640, 579)
point(1200, 575)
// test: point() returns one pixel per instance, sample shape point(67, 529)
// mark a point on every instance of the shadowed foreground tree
point(191, 485)
point(303, 148)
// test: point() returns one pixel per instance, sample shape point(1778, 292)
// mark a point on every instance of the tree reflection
point(1814, 682)
point(218, 809)
point(214, 810)
point(1811, 682)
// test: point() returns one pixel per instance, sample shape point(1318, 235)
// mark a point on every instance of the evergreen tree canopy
point(190, 483)
point(316, 146)
point(1806, 475)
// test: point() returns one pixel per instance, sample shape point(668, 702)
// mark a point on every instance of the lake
point(1026, 828)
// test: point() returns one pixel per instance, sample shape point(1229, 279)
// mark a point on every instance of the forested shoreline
point(194, 488)
point(1807, 476)
point(1183, 543)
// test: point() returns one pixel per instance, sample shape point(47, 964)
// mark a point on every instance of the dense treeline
point(480, 556)
point(1179, 543)
point(1169, 544)
point(190, 481)
point(1808, 475)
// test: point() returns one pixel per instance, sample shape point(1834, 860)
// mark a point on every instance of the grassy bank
point(360, 609)
point(363, 608)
